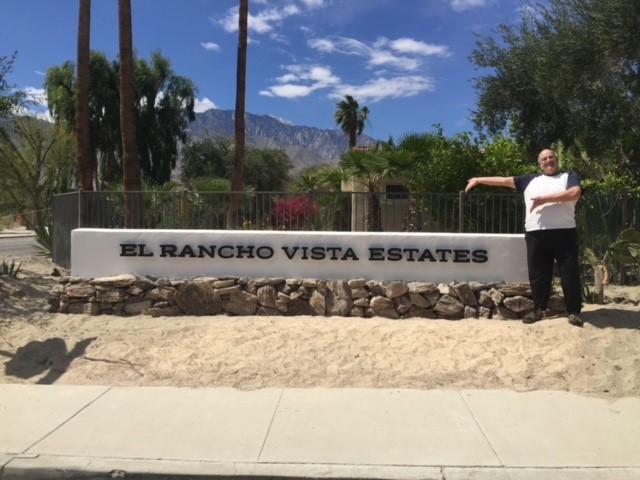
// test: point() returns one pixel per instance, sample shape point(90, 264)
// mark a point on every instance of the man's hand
point(536, 202)
point(472, 182)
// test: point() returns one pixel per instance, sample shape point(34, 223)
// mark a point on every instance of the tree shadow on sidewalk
point(49, 356)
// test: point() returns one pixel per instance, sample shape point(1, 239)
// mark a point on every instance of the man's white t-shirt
point(550, 215)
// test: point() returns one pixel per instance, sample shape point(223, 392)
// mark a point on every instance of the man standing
point(550, 232)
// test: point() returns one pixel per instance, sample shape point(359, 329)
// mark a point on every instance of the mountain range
point(306, 146)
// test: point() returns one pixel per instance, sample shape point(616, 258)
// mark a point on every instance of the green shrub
point(9, 269)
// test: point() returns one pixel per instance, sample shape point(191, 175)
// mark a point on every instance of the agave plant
point(9, 269)
point(623, 253)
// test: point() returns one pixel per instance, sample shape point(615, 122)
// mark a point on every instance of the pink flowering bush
point(290, 212)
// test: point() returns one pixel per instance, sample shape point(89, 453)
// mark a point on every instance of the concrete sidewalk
point(16, 232)
point(56, 432)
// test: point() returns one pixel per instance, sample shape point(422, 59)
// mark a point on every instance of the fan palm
point(351, 118)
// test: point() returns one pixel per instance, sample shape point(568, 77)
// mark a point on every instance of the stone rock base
point(128, 295)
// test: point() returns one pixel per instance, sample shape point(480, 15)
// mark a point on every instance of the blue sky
point(406, 60)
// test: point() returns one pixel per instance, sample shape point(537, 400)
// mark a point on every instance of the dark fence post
point(184, 209)
point(80, 209)
point(461, 212)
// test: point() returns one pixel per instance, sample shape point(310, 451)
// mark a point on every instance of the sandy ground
point(602, 359)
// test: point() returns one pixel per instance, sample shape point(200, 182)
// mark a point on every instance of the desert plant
point(624, 252)
point(44, 238)
point(9, 269)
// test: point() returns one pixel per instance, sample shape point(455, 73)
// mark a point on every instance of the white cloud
point(301, 81)
point(287, 91)
point(462, 5)
point(322, 45)
point(402, 53)
point(312, 4)
point(267, 19)
point(262, 22)
point(381, 58)
point(343, 45)
point(36, 95)
point(382, 88)
point(210, 46)
point(203, 105)
point(37, 106)
point(409, 45)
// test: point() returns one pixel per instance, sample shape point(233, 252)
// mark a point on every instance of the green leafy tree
point(37, 160)
point(568, 74)
point(164, 104)
point(165, 107)
point(104, 121)
point(267, 169)
point(307, 180)
point(440, 163)
point(351, 118)
point(502, 156)
point(209, 157)
point(9, 98)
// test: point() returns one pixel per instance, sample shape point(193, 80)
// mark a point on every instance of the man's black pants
point(545, 246)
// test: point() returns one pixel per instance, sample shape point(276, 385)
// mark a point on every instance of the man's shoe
point(532, 317)
point(575, 320)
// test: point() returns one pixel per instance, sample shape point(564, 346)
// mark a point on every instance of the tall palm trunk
point(130, 160)
point(83, 128)
point(83, 134)
point(374, 222)
point(234, 219)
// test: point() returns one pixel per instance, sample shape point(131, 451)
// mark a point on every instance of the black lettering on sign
point(209, 252)
point(242, 250)
point(461, 256)
point(223, 249)
point(394, 254)
point(319, 253)
point(411, 251)
point(350, 254)
point(376, 254)
point(292, 253)
point(187, 251)
point(167, 250)
point(443, 254)
point(264, 252)
point(480, 256)
point(142, 251)
point(128, 250)
point(427, 255)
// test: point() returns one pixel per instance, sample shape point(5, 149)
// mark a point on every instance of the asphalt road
point(17, 246)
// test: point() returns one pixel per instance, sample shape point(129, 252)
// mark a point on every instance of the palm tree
point(130, 162)
point(369, 167)
point(351, 118)
point(83, 133)
point(234, 221)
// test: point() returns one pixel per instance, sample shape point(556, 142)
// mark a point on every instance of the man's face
point(548, 162)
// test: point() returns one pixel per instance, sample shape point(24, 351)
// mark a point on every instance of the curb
point(32, 467)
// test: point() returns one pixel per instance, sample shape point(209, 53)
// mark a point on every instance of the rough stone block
point(242, 303)
point(198, 299)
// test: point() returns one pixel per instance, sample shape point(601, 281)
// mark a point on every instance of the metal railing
point(600, 218)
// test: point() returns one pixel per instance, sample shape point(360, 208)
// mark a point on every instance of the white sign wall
point(184, 254)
